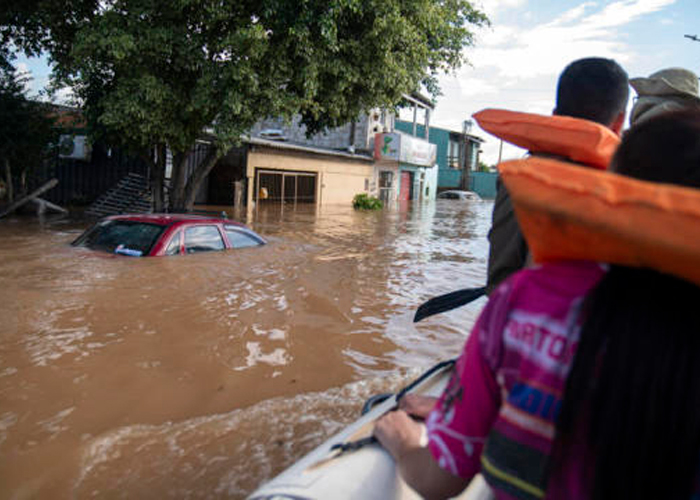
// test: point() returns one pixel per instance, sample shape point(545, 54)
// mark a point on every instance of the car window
point(127, 237)
point(203, 239)
point(174, 245)
point(240, 239)
point(449, 196)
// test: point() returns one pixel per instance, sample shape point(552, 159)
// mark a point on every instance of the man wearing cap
point(670, 89)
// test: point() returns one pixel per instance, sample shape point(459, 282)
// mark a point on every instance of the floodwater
point(201, 376)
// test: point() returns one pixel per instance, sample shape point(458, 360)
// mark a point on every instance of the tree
point(152, 74)
point(26, 129)
point(483, 167)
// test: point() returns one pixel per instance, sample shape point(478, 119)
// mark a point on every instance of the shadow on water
point(202, 375)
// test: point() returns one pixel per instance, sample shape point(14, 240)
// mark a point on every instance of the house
point(406, 167)
point(84, 171)
point(405, 162)
point(457, 153)
point(279, 163)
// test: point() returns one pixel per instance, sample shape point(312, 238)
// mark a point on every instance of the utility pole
point(463, 145)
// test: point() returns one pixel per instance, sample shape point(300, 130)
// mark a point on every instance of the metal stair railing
point(130, 195)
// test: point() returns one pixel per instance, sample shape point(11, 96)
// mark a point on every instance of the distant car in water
point(166, 234)
point(456, 194)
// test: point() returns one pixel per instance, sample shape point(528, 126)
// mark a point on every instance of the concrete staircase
point(130, 195)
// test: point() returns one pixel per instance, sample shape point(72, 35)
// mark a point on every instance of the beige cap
point(671, 81)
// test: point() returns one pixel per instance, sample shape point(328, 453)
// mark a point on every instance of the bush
point(363, 201)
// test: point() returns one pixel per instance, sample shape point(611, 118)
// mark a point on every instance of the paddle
point(447, 302)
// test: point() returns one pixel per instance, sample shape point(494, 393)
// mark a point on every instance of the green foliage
point(151, 73)
point(483, 167)
point(363, 201)
point(26, 127)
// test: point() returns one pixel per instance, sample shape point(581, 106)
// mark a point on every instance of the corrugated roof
point(290, 146)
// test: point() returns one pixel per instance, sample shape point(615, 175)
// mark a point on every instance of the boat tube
point(352, 465)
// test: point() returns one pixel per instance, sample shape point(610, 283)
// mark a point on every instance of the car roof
point(169, 219)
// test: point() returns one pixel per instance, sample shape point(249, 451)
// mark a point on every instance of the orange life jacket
point(581, 141)
point(570, 212)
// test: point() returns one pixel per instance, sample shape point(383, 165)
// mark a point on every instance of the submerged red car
point(166, 234)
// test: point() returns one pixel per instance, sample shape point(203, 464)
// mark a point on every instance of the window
point(203, 239)
point(453, 156)
point(240, 239)
point(448, 195)
point(386, 178)
point(174, 245)
point(129, 237)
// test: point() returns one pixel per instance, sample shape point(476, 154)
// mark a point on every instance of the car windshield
point(125, 237)
point(449, 195)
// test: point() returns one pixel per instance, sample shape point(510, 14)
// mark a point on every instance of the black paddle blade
point(447, 302)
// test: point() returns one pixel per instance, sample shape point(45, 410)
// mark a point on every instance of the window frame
point(237, 229)
point(197, 226)
point(179, 235)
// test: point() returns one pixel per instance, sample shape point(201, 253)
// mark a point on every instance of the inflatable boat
point(352, 465)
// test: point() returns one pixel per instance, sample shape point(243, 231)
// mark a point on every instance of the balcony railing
point(453, 162)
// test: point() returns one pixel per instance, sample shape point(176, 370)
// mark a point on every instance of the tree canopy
point(26, 128)
point(157, 73)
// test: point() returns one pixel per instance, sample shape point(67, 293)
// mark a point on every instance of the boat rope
point(361, 443)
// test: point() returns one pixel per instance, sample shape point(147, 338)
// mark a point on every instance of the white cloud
point(492, 7)
point(516, 67)
point(546, 48)
point(23, 68)
point(474, 86)
point(27, 74)
point(576, 12)
point(64, 95)
point(624, 12)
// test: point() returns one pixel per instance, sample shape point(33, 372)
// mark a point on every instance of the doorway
point(277, 186)
point(406, 189)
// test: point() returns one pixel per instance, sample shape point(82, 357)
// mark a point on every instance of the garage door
point(281, 186)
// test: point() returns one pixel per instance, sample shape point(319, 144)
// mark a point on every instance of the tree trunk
point(34, 194)
point(199, 174)
point(157, 177)
point(8, 177)
point(23, 181)
point(178, 180)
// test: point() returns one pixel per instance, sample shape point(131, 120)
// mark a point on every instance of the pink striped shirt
point(498, 413)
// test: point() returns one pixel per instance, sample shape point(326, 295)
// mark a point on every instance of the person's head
point(594, 89)
point(670, 89)
point(634, 387)
point(665, 148)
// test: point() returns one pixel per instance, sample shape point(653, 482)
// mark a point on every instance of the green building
point(457, 154)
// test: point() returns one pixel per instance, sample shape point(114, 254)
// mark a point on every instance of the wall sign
point(404, 148)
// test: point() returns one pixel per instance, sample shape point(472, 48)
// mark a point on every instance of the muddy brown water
point(201, 376)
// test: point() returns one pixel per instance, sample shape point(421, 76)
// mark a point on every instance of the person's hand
point(398, 433)
point(417, 405)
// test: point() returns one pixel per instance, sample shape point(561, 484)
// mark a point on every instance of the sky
point(514, 64)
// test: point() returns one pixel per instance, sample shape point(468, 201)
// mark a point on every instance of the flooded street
point(200, 376)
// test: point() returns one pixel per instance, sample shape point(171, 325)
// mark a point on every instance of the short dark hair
point(664, 148)
point(594, 89)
